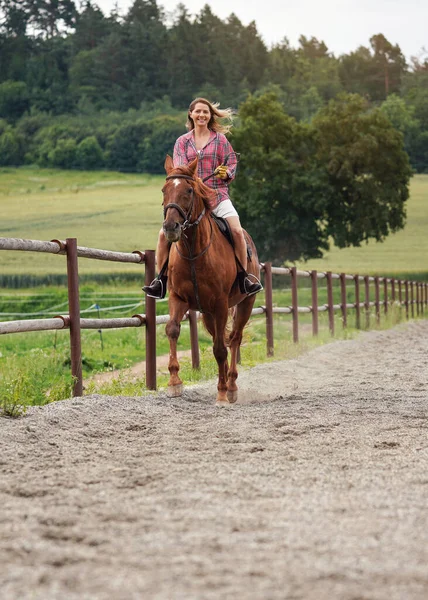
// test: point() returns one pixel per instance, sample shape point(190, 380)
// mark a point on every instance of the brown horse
point(202, 273)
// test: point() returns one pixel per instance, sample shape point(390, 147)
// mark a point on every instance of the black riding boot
point(157, 289)
point(248, 283)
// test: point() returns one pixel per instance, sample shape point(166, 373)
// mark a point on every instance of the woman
point(206, 140)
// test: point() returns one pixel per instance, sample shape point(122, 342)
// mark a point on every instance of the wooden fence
point(410, 295)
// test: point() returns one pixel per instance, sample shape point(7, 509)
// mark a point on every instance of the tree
point(11, 148)
point(402, 117)
point(91, 27)
point(13, 99)
point(345, 177)
point(14, 17)
point(389, 61)
point(374, 73)
point(367, 168)
point(280, 190)
point(89, 154)
point(49, 17)
point(145, 41)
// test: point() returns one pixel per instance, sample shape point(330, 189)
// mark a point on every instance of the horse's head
point(183, 194)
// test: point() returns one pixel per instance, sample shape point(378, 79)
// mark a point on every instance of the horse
point(202, 275)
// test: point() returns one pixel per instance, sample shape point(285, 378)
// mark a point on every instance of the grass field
point(122, 212)
point(117, 211)
point(112, 211)
point(404, 252)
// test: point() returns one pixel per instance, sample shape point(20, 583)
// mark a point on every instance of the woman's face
point(200, 114)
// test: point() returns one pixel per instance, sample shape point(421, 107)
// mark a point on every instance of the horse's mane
point(207, 194)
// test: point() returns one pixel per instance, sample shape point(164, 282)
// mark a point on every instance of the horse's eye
point(189, 190)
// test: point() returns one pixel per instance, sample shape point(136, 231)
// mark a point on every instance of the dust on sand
point(313, 486)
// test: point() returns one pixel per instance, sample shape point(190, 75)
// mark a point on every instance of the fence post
point(343, 299)
point(314, 307)
point(412, 298)
point(367, 300)
point(377, 299)
point(74, 312)
point(295, 304)
point(400, 297)
point(385, 295)
point(269, 308)
point(330, 303)
point(417, 298)
point(150, 261)
point(194, 343)
point(406, 302)
point(357, 301)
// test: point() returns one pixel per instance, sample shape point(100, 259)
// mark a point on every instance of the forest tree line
point(81, 89)
point(328, 144)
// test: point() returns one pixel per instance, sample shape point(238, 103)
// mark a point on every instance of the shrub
point(11, 150)
point(89, 154)
point(63, 155)
point(124, 151)
point(13, 99)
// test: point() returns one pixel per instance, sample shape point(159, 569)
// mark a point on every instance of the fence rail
point(411, 295)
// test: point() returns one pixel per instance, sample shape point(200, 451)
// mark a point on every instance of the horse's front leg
point(220, 351)
point(240, 319)
point(177, 309)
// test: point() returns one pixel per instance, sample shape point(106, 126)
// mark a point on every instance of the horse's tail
point(229, 326)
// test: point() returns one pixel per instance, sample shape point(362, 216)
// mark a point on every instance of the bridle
point(186, 223)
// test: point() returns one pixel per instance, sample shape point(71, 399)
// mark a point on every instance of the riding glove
point(221, 172)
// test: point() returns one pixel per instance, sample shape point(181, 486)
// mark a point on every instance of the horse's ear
point(168, 164)
point(193, 166)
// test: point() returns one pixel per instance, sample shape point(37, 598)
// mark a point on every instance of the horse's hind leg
point(177, 309)
point(240, 319)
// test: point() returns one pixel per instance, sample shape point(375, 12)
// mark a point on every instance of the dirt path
point(313, 486)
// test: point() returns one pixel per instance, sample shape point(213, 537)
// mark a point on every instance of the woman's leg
point(162, 250)
point(238, 238)
point(247, 285)
point(157, 289)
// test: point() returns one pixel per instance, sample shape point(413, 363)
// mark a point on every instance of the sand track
point(313, 486)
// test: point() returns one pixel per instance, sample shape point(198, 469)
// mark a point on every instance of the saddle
point(224, 227)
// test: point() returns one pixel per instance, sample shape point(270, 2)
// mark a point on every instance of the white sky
point(343, 25)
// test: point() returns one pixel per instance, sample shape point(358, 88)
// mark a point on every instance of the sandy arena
point(314, 486)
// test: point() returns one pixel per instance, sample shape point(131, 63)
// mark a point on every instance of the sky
point(343, 25)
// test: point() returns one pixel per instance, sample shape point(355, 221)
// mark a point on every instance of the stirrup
point(157, 289)
point(247, 286)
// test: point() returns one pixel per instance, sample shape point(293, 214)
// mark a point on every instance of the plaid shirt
point(210, 157)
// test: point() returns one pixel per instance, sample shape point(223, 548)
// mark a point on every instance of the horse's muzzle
point(172, 231)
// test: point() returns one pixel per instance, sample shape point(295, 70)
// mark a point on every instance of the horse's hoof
point(173, 391)
point(222, 403)
point(232, 396)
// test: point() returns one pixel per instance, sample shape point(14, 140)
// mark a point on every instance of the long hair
point(217, 114)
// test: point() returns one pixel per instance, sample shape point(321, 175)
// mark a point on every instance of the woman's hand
point(221, 172)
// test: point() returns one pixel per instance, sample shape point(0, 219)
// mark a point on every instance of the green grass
point(402, 253)
point(112, 211)
point(122, 212)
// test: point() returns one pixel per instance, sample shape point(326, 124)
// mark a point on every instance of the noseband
point(186, 224)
